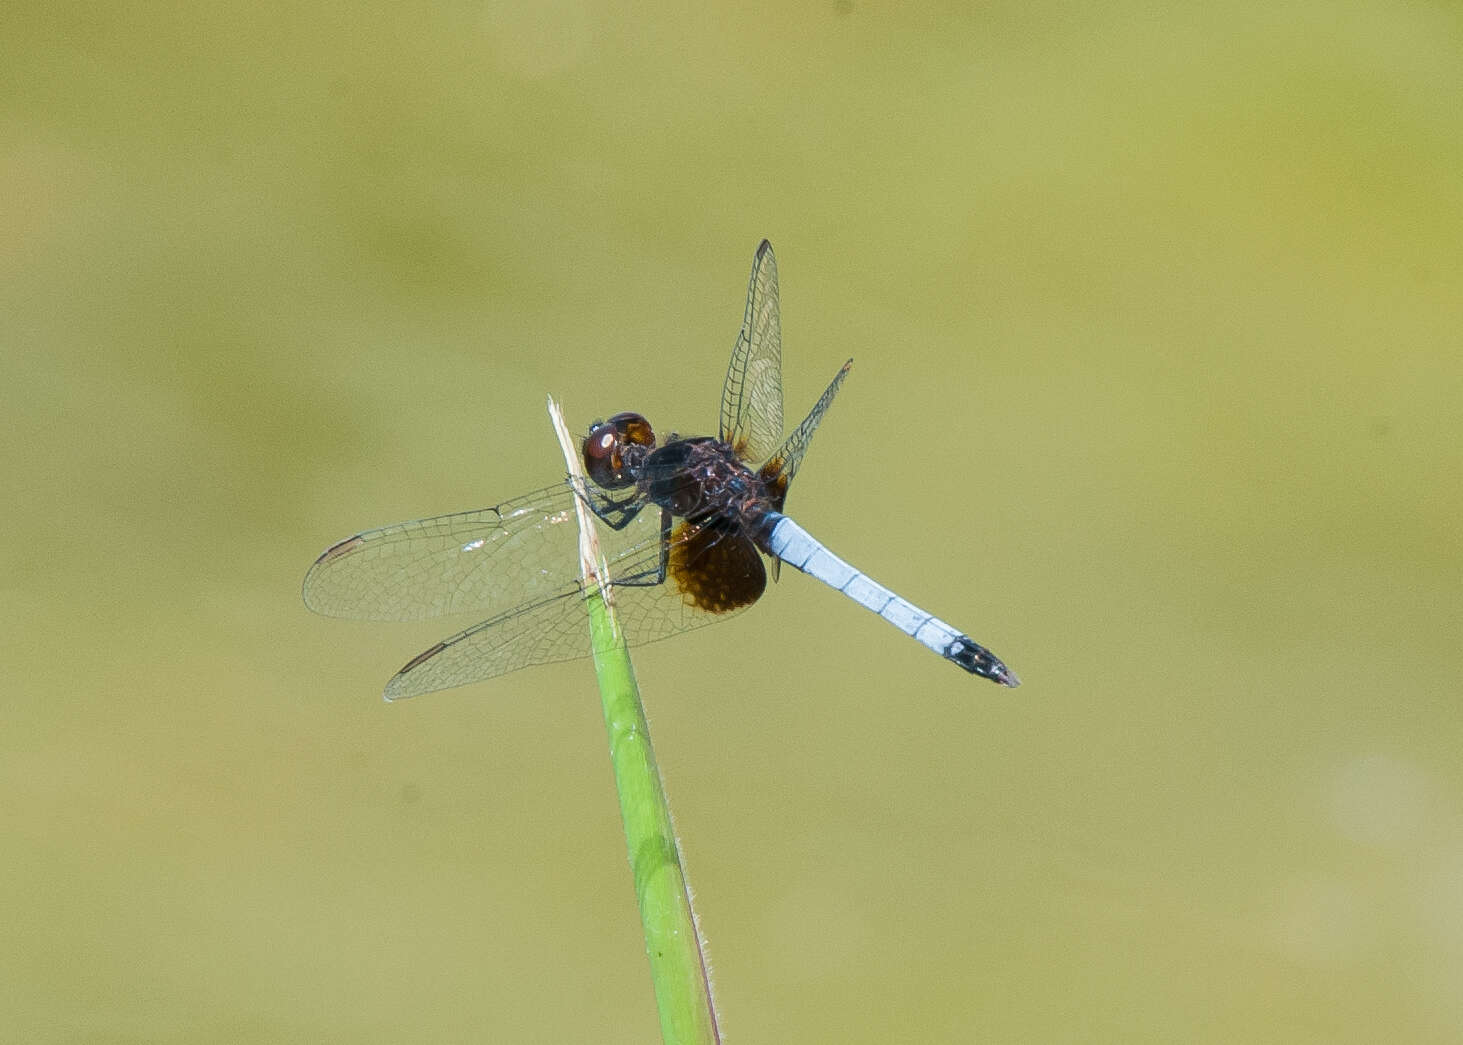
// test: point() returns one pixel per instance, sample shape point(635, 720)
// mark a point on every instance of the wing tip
point(396, 689)
point(338, 549)
point(310, 587)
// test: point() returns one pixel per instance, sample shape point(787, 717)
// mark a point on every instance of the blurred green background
point(1157, 392)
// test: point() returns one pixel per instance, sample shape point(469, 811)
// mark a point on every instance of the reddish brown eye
point(613, 449)
point(601, 443)
point(602, 456)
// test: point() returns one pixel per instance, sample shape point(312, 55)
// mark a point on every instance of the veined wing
point(751, 396)
point(555, 628)
point(789, 456)
point(484, 561)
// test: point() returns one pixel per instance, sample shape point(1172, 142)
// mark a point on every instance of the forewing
point(485, 561)
point(751, 397)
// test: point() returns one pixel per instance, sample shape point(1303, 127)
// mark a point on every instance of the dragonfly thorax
point(703, 480)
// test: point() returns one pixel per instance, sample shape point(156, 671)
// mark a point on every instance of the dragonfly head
point(615, 449)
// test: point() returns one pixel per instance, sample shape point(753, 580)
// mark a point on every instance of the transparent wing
point(556, 628)
point(485, 561)
point(789, 455)
point(751, 397)
point(536, 634)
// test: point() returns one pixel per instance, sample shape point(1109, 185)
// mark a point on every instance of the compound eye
point(602, 459)
point(633, 429)
point(605, 449)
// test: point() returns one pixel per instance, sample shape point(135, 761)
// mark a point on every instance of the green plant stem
point(672, 942)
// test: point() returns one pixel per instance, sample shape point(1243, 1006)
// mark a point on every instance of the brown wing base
point(716, 571)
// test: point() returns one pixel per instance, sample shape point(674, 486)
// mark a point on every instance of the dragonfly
point(687, 522)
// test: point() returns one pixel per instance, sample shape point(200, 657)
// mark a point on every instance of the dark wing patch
point(715, 571)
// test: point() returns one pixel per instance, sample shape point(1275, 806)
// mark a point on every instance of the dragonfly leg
point(650, 578)
point(614, 514)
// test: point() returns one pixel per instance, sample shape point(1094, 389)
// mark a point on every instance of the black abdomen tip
point(978, 660)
